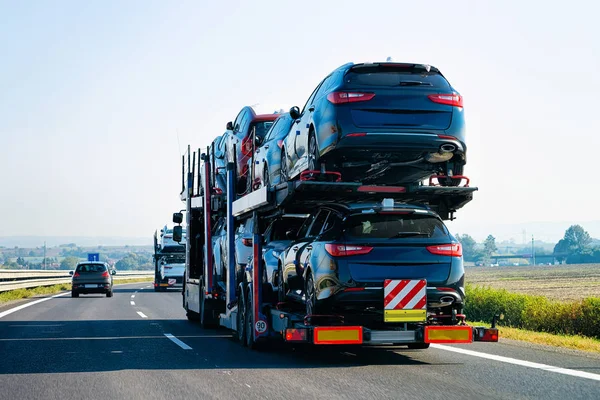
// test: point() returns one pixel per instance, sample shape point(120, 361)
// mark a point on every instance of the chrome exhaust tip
point(447, 148)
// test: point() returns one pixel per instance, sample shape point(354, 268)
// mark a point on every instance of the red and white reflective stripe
point(405, 294)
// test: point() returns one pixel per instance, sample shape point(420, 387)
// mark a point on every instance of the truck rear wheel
point(418, 346)
point(241, 320)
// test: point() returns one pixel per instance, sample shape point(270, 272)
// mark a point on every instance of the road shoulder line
point(515, 361)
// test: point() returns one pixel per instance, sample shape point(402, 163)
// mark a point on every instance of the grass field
point(557, 282)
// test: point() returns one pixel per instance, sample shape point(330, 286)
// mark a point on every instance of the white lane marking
point(178, 342)
point(248, 385)
point(133, 296)
point(549, 368)
point(132, 303)
point(22, 306)
point(141, 314)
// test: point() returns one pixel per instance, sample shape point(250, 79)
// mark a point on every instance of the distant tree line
point(576, 247)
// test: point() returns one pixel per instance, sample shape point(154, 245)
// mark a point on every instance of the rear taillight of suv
point(342, 250)
point(105, 274)
point(76, 275)
point(349, 97)
point(452, 249)
point(449, 99)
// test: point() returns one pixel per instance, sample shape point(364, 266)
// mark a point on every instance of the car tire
point(418, 346)
point(283, 169)
point(313, 153)
point(310, 294)
point(109, 293)
point(266, 177)
point(74, 294)
point(241, 319)
point(457, 170)
point(281, 292)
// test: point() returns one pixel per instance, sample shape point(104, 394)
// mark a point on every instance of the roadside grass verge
point(573, 342)
point(18, 294)
point(534, 313)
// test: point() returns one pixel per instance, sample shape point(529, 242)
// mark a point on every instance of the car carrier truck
point(238, 300)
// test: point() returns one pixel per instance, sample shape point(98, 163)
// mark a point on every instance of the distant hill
point(52, 241)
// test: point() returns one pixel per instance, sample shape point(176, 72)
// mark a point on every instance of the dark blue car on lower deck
point(343, 254)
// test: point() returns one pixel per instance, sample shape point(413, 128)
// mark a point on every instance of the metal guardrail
point(25, 279)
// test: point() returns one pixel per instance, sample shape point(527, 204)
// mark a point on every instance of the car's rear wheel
point(310, 294)
point(280, 285)
point(266, 178)
point(283, 170)
point(457, 170)
point(74, 293)
point(109, 293)
point(313, 153)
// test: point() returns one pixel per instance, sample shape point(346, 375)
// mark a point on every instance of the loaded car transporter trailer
point(238, 304)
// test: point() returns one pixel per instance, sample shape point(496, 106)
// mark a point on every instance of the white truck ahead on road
point(169, 260)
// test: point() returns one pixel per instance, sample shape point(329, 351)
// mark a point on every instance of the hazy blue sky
point(94, 94)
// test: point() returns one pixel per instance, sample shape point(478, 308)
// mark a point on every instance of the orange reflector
point(295, 335)
point(448, 334)
point(338, 335)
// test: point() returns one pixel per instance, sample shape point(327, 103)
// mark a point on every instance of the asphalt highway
point(139, 345)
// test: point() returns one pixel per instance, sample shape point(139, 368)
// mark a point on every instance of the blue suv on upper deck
point(381, 123)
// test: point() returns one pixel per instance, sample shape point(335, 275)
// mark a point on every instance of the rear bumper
point(390, 142)
point(100, 288)
point(372, 298)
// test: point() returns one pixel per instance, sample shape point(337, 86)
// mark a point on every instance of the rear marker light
point(447, 137)
point(354, 289)
point(349, 97)
point(247, 242)
point(341, 250)
point(296, 335)
point(449, 99)
point(452, 250)
point(356, 134)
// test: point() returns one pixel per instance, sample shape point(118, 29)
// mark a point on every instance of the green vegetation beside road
point(535, 313)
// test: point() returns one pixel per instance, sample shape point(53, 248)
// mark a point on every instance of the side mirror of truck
point(230, 126)
point(177, 217)
point(177, 233)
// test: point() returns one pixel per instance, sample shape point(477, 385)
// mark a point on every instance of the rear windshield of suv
point(84, 268)
point(394, 226)
point(396, 77)
point(262, 127)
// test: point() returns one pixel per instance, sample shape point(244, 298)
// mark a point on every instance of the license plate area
point(405, 300)
point(93, 285)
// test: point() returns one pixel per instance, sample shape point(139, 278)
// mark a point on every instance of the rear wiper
point(408, 234)
point(414, 83)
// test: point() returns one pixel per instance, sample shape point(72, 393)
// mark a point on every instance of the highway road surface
point(138, 345)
